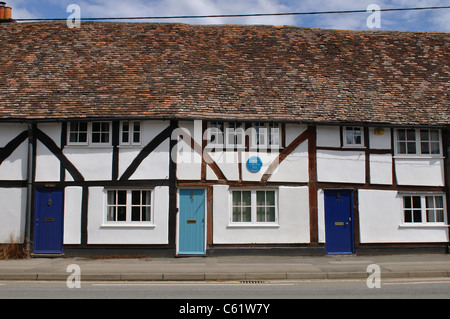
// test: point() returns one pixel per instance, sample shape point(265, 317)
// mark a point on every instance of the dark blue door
point(48, 221)
point(338, 222)
point(191, 230)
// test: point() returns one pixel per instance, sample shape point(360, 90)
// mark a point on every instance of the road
point(436, 288)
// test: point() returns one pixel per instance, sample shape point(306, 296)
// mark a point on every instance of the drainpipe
point(29, 188)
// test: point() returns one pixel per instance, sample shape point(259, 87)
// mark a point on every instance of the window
point(418, 142)
point(265, 206)
point(421, 209)
point(435, 209)
point(100, 133)
point(78, 132)
point(254, 206)
point(84, 133)
point(429, 142)
point(235, 135)
point(353, 136)
point(242, 207)
point(412, 209)
point(215, 136)
point(228, 134)
point(266, 136)
point(130, 133)
point(128, 206)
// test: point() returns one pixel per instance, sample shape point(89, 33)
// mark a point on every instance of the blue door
point(48, 221)
point(191, 230)
point(338, 222)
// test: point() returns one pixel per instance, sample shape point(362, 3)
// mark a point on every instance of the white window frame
point(217, 132)
point(344, 136)
point(418, 143)
point(253, 221)
point(128, 221)
point(423, 210)
point(267, 134)
point(69, 131)
point(131, 133)
point(234, 129)
point(89, 141)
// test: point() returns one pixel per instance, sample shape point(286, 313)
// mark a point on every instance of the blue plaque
point(254, 164)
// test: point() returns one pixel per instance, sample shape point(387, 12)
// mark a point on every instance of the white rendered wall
point(419, 171)
point(47, 164)
point(293, 219)
point(12, 213)
point(380, 141)
point(94, 163)
point(15, 166)
point(188, 161)
point(380, 169)
point(380, 221)
point(156, 164)
point(341, 166)
point(101, 233)
point(72, 215)
point(328, 136)
point(294, 168)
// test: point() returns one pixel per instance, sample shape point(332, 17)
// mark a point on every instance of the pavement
point(227, 268)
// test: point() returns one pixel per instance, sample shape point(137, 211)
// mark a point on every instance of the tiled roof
point(141, 70)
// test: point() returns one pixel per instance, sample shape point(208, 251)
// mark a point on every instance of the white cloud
point(140, 8)
point(20, 11)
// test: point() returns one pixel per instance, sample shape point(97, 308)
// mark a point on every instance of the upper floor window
point(130, 133)
point(418, 142)
point(266, 136)
point(94, 133)
point(353, 136)
point(232, 135)
point(78, 133)
point(226, 134)
point(101, 133)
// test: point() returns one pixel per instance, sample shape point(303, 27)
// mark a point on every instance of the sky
point(426, 20)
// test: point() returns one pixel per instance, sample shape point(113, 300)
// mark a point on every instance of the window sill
point(250, 225)
point(418, 157)
point(90, 146)
point(421, 225)
point(355, 146)
point(128, 226)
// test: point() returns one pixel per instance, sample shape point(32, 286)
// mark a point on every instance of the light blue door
point(191, 237)
point(338, 222)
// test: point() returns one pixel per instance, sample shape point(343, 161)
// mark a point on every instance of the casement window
point(353, 136)
point(100, 133)
point(129, 206)
point(130, 133)
point(423, 209)
point(266, 136)
point(231, 135)
point(78, 133)
point(226, 134)
point(234, 135)
point(93, 133)
point(215, 134)
point(254, 207)
point(418, 142)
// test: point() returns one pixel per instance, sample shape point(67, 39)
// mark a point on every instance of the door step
point(34, 255)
